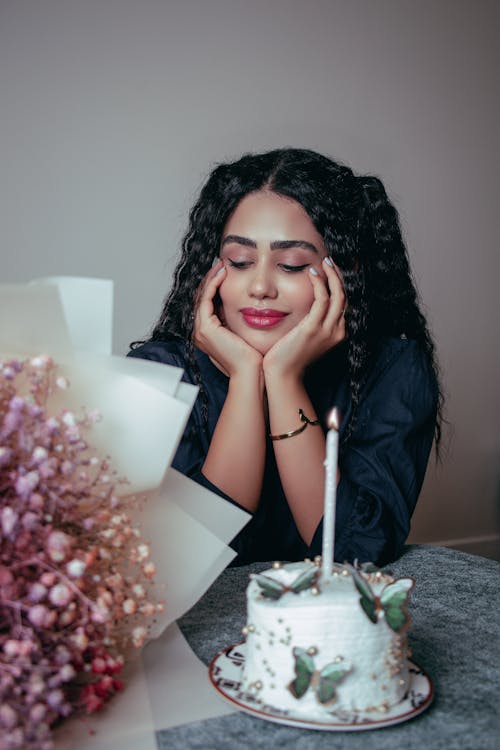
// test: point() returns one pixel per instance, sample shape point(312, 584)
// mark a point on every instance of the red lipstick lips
point(262, 318)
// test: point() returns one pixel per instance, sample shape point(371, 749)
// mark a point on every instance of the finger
point(338, 300)
point(212, 282)
point(319, 307)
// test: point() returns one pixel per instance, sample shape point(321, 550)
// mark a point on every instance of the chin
point(260, 346)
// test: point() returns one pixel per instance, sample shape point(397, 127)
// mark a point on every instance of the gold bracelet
point(304, 419)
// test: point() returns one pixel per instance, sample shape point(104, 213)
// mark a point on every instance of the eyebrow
point(275, 244)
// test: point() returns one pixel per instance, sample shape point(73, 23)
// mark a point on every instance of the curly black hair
point(361, 231)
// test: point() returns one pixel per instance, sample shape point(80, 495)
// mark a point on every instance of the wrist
point(278, 377)
point(247, 379)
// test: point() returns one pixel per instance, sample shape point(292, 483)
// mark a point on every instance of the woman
point(293, 294)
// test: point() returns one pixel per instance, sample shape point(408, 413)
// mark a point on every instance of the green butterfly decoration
point(393, 600)
point(273, 589)
point(325, 681)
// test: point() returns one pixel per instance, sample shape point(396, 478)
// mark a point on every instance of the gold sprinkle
point(244, 630)
point(277, 565)
point(314, 590)
point(251, 628)
point(312, 651)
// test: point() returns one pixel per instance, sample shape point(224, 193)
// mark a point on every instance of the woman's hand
point(320, 330)
point(229, 352)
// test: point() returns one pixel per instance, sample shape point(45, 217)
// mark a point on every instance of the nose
point(261, 283)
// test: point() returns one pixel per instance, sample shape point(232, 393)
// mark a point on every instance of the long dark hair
point(361, 231)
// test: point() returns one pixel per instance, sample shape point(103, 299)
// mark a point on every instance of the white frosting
point(333, 627)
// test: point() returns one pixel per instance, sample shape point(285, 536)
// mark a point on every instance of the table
point(454, 636)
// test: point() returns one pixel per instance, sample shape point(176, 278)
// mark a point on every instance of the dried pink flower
point(58, 545)
point(73, 569)
point(9, 519)
point(60, 595)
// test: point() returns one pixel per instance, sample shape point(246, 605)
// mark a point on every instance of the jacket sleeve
point(383, 465)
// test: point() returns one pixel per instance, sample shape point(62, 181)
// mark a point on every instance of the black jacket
point(382, 465)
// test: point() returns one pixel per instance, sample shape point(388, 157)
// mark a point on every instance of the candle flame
point(333, 420)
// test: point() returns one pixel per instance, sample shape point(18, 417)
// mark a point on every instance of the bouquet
point(75, 575)
point(78, 595)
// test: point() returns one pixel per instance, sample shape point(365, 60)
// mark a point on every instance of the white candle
point(330, 501)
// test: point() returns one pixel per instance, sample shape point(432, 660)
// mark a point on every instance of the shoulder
point(400, 355)
point(401, 366)
point(172, 352)
point(175, 352)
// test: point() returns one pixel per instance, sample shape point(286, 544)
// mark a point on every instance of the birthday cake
point(322, 645)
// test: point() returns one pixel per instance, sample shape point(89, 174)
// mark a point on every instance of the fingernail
point(313, 271)
point(215, 261)
point(222, 268)
point(329, 261)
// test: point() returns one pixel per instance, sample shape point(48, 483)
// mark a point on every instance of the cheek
point(301, 293)
point(228, 295)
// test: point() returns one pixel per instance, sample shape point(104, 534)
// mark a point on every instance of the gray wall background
point(114, 111)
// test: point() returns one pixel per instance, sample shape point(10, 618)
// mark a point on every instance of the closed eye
point(238, 263)
point(293, 269)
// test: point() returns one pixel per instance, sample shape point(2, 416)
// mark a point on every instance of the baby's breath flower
point(75, 568)
point(11, 648)
point(67, 468)
point(36, 501)
point(30, 520)
point(80, 639)
point(149, 569)
point(148, 609)
point(8, 372)
point(69, 419)
point(99, 615)
point(58, 545)
point(26, 483)
point(129, 606)
point(42, 361)
point(60, 595)
point(38, 712)
point(39, 615)
point(67, 673)
point(9, 519)
point(39, 454)
point(17, 404)
point(139, 590)
point(139, 635)
point(142, 552)
point(37, 592)
point(8, 717)
point(55, 698)
point(73, 576)
point(5, 455)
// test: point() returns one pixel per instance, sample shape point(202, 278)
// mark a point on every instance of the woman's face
point(268, 246)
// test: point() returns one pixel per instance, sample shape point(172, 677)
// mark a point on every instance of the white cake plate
point(225, 675)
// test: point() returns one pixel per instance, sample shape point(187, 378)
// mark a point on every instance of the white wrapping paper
point(144, 407)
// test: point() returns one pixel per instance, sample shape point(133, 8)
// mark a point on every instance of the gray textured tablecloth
point(454, 636)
